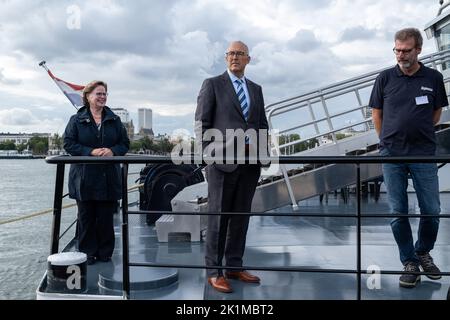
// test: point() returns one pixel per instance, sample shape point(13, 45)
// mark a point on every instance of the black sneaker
point(427, 264)
point(409, 280)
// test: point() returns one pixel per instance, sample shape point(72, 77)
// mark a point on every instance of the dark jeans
point(95, 227)
point(426, 185)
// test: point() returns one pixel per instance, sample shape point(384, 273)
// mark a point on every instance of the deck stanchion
point(57, 208)
point(358, 230)
point(125, 243)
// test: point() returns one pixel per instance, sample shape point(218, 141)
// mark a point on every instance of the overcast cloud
point(157, 53)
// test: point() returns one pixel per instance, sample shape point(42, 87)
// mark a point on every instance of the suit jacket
point(218, 108)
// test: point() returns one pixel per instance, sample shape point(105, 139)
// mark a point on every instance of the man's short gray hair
point(241, 43)
point(408, 33)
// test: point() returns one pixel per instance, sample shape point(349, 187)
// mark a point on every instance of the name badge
point(421, 100)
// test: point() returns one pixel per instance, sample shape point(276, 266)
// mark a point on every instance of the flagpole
point(43, 65)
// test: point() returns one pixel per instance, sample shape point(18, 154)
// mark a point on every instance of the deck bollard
point(66, 272)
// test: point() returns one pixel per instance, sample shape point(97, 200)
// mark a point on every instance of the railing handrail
point(274, 160)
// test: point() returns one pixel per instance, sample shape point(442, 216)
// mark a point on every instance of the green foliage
point(297, 147)
point(21, 147)
point(40, 148)
point(165, 146)
point(38, 145)
point(135, 146)
point(7, 145)
point(57, 141)
point(147, 144)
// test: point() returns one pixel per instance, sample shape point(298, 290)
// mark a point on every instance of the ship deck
point(283, 241)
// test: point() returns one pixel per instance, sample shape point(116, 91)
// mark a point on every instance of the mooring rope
point(40, 213)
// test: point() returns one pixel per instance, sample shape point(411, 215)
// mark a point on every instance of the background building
point(126, 120)
point(368, 115)
point(145, 119)
point(21, 138)
point(122, 113)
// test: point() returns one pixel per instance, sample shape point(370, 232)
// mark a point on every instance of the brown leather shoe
point(242, 276)
point(220, 284)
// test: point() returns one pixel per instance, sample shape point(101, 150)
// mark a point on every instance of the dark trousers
point(226, 234)
point(95, 227)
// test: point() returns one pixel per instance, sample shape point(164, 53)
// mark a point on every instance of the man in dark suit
point(230, 102)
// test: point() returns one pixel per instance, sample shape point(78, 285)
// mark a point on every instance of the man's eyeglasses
point(404, 51)
point(101, 94)
point(235, 53)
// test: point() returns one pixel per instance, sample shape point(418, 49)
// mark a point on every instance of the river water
point(26, 187)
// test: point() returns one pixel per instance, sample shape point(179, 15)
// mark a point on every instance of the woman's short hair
point(91, 87)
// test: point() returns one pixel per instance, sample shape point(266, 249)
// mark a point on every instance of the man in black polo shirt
point(407, 101)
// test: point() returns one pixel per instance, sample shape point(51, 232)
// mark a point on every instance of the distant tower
point(145, 118)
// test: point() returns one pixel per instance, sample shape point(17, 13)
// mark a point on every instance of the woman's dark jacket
point(95, 181)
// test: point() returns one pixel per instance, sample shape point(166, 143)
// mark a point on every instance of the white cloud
point(157, 53)
point(6, 80)
point(24, 120)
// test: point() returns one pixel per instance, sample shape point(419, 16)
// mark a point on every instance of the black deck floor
point(307, 242)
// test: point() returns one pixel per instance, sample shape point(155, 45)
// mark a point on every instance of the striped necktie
point(242, 99)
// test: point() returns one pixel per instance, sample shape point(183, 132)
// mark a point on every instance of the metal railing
point(61, 161)
point(317, 102)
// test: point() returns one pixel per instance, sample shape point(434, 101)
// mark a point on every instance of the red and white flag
point(73, 92)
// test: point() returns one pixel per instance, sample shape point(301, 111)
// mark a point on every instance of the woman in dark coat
point(95, 131)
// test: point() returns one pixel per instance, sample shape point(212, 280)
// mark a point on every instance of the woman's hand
point(102, 152)
point(107, 152)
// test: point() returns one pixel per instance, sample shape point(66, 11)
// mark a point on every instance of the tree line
point(40, 145)
point(148, 145)
point(301, 146)
point(37, 145)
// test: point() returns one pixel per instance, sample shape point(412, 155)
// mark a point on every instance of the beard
point(405, 64)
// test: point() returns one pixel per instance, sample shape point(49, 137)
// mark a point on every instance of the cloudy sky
point(157, 53)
